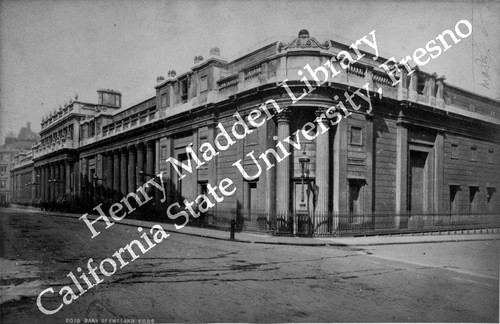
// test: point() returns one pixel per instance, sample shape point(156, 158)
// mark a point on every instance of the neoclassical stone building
point(425, 147)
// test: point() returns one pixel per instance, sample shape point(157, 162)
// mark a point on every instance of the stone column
point(109, 175)
point(116, 173)
point(45, 184)
point(401, 168)
point(60, 183)
point(150, 160)
point(322, 166)
point(49, 184)
point(168, 174)
point(62, 176)
point(140, 164)
point(41, 184)
point(53, 184)
point(67, 166)
point(36, 187)
point(123, 171)
point(85, 180)
point(131, 169)
point(283, 168)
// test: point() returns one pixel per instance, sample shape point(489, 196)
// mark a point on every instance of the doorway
point(418, 182)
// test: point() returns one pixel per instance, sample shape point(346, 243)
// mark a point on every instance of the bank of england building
point(425, 154)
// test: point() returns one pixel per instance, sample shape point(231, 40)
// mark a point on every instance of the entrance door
point(417, 182)
point(355, 201)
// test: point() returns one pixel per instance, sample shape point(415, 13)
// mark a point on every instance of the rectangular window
point(454, 189)
point(163, 100)
point(252, 138)
point(92, 129)
point(204, 83)
point(454, 151)
point(3, 169)
point(3, 184)
point(473, 198)
point(356, 135)
point(184, 90)
point(491, 156)
point(473, 153)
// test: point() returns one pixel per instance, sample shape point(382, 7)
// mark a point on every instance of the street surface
point(192, 279)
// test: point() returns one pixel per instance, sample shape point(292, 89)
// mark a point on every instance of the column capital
point(140, 146)
point(284, 115)
point(150, 145)
point(320, 112)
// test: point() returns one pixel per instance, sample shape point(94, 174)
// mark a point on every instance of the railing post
point(233, 227)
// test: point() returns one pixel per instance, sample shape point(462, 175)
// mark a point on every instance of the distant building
point(13, 145)
point(426, 147)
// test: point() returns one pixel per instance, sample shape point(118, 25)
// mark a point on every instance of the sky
point(53, 49)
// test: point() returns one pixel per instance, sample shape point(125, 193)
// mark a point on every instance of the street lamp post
point(304, 168)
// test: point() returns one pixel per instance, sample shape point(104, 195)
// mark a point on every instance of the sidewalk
point(247, 237)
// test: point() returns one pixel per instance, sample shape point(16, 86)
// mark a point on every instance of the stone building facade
point(424, 147)
point(13, 145)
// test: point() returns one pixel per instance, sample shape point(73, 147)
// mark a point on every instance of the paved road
point(188, 279)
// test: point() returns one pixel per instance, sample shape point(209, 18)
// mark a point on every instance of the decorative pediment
point(304, 41)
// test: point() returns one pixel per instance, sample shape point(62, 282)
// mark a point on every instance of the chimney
point(28, 125)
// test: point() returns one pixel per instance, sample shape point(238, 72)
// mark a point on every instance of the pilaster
point(340, 171)
point(439, 202)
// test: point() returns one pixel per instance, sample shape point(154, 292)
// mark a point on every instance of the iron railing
point(330, 224)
